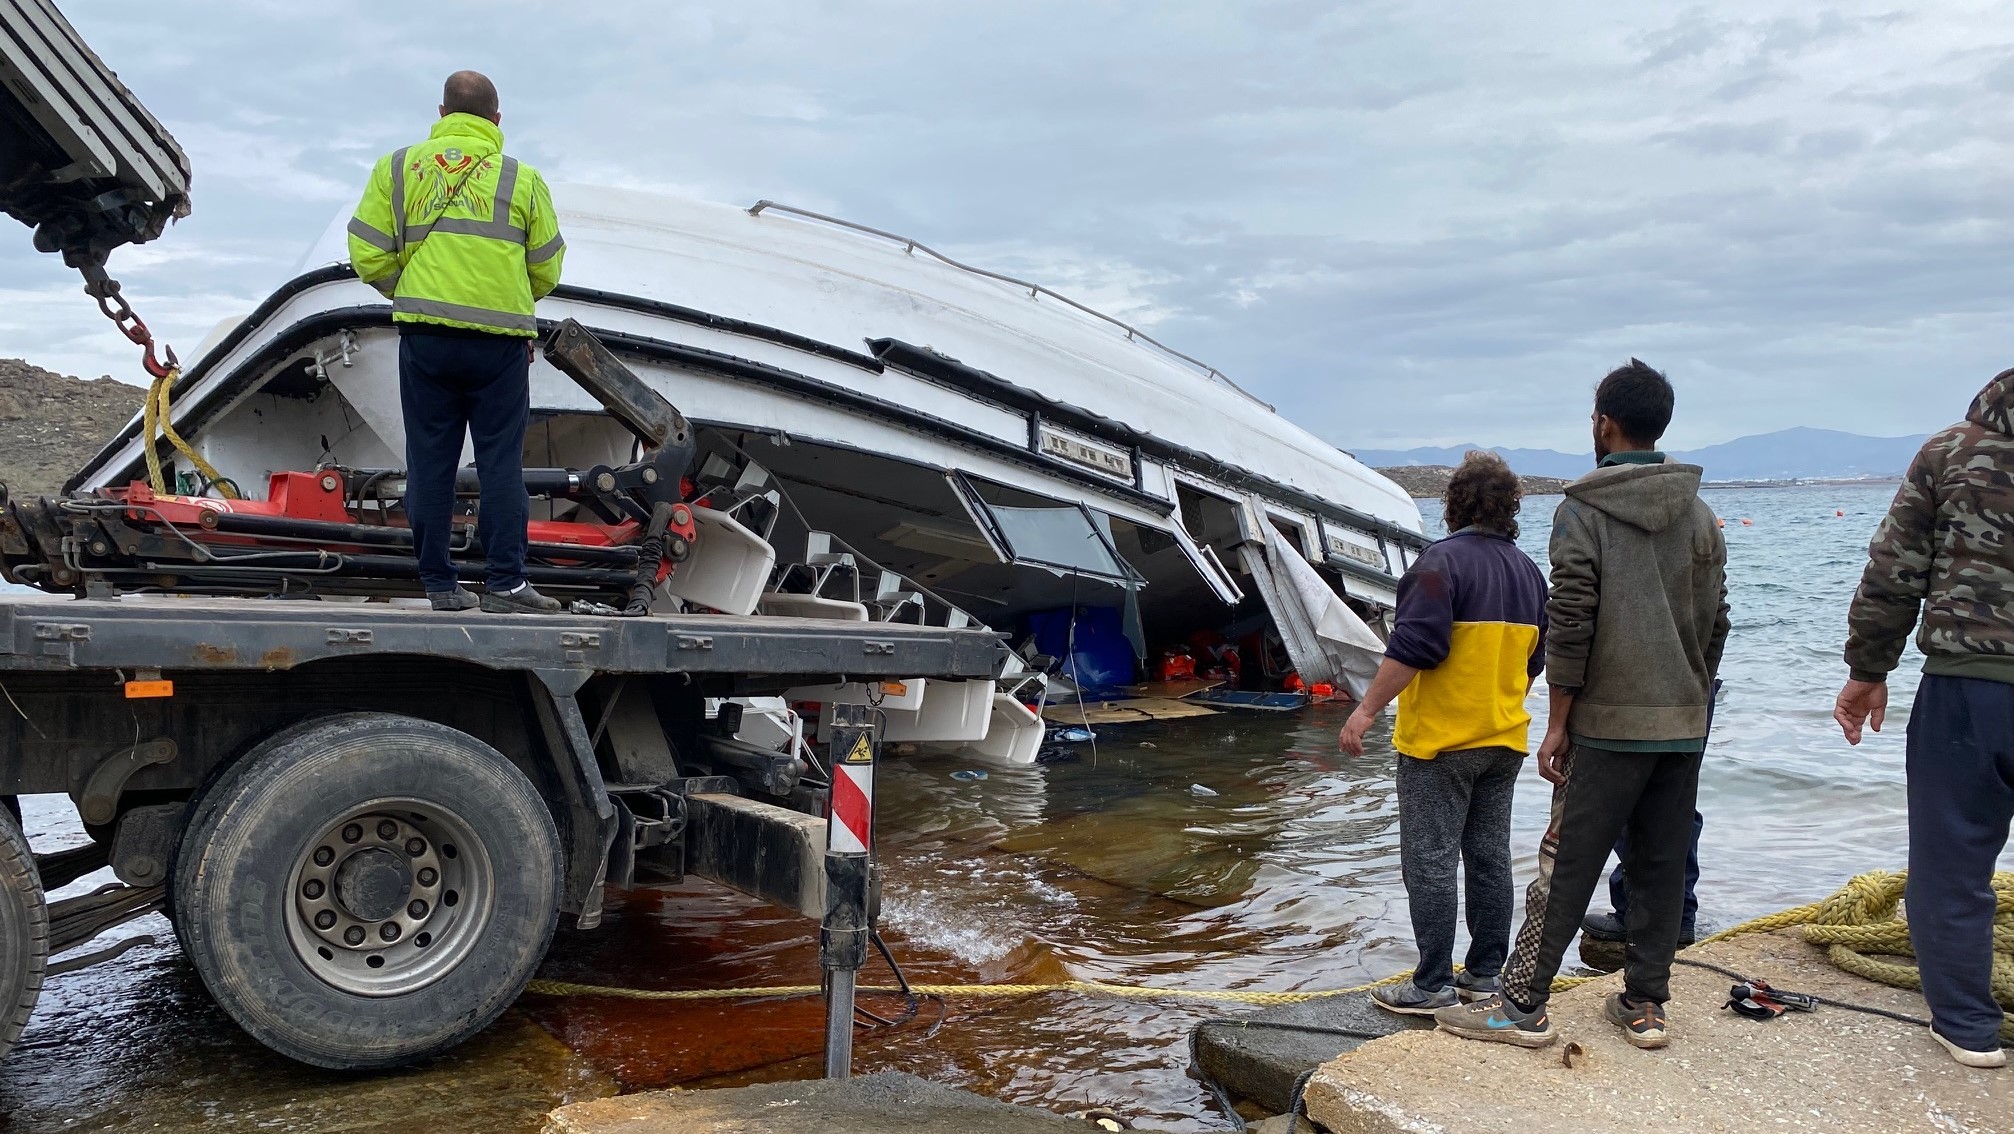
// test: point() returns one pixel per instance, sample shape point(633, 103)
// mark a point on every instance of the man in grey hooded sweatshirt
point(1638, 618)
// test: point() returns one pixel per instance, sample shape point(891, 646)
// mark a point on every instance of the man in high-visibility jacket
point(462, 239)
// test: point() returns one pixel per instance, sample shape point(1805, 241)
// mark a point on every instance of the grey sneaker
point(1474, 988)
point(1642, 1023)
point(1409, 999)
point(1499, 1021)
point(461, 598)
point(524, 600)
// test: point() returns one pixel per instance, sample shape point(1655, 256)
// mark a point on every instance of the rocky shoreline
point(1430, 482)
point(51, 423)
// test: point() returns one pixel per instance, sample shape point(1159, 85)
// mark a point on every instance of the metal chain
point(121, 314)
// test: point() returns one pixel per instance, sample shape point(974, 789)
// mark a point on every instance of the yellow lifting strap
point(156, 422)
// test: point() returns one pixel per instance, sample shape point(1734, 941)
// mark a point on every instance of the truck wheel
point(367, 890)
point(24, 932)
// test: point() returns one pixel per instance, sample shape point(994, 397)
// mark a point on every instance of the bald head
point(470, 92)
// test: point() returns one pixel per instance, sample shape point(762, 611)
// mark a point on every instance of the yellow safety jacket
point(458, 234)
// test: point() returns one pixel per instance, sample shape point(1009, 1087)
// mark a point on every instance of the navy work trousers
point(1618, 893)
point(473, 385)
point(1961, 801)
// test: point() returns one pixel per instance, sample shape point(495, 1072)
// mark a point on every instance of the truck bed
point(50, 633)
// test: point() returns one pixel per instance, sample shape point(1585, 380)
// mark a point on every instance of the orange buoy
point(1747, 523)
point(1839, 511)
point(1720, 521)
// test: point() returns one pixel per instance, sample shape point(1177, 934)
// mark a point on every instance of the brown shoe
point(1642, 1022)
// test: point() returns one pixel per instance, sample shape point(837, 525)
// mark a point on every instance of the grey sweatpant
point(1456, 809)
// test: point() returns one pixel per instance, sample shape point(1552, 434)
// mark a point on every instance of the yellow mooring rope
point(1857, 925)
point(156, 422)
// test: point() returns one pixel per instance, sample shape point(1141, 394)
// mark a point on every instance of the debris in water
point(968, 774)
point(1071, 734)
point(1057, 755)
point(1148, 744)
point(1200, 790)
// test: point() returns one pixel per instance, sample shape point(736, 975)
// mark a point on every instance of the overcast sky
point(1402, 223)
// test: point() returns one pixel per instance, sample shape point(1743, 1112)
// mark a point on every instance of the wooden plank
point(1124, 712)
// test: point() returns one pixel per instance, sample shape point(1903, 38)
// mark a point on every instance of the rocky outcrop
point(1430, 482)
point(51, 423)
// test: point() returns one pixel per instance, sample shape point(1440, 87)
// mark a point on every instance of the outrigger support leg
point(849, 849)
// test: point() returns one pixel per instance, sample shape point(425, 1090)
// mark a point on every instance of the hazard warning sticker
point(860, 753)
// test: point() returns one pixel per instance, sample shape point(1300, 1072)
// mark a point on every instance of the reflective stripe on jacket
point(456, 233)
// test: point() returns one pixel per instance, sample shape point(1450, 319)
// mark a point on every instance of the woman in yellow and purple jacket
point(1465, 648)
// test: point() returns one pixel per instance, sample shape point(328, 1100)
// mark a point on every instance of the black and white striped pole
point(849, 849)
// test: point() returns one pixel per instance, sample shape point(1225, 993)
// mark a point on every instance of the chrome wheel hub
point(389, 897)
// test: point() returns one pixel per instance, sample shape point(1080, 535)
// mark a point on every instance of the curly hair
point(1483, 493)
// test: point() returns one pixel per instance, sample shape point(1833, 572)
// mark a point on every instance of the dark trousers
point(1618, 895)
point(452, 386)
point(1961, 801)
point(1455, 809)
point(1652, 795)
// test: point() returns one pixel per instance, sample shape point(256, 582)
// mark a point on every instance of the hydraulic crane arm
point(81, 161)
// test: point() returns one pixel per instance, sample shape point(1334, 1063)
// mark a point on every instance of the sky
point(1402, 223)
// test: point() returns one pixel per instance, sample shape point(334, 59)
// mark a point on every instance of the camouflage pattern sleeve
point(1897, 579)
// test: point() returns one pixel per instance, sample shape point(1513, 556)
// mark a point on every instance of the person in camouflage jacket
point(1947, 547)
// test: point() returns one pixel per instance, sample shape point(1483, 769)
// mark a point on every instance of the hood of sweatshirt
point(1994, 407)
point(1651, 497)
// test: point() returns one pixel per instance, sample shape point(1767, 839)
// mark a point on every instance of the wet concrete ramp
point(1832, 1071)
point(1262, 1058)
point(891, 1102)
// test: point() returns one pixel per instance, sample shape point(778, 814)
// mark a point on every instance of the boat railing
point(1133, 334)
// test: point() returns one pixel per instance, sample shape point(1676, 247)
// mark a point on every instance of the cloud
point(1401, 223)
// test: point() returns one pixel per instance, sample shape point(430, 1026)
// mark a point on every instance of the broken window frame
point(983, 517)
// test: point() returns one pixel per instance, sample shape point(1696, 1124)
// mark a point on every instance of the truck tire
point(24, 932)
point(367, 890)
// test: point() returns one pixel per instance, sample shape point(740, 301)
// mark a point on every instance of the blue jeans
point(473, 385)
point(1961, 802)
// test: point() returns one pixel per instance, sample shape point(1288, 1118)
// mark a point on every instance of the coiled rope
point(1859, 927)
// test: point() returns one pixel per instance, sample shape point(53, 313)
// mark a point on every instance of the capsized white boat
point(889, 434)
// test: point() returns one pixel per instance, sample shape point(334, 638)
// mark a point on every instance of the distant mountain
point(1788, 454)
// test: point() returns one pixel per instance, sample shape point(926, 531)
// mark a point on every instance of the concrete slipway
point(1831, 1071)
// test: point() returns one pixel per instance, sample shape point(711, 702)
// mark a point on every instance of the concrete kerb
point(869, 1104)
point(1262, 1064)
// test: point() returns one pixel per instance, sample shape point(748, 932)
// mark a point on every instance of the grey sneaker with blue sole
point(1498, 1021)
point(1409, 999)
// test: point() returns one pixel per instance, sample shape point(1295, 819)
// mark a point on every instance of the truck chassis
point(364, 821)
